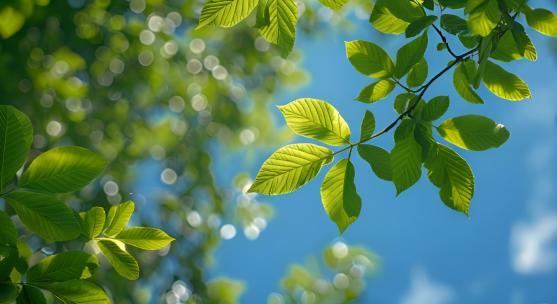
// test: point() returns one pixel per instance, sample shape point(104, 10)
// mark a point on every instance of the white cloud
point(423, 290)
point(532, 245)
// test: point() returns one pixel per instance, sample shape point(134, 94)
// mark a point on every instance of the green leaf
point(262, 17)
point(454, 4)
point(65, 266)
point(8, 233)
point(542, 20)
point(8, 292)
point(281, 30)
point(339, 196)
point(334, 4)
point(8, 260)
point(92, 222)
point(77, 292)
point(123, 262)
point(117, 218)
point(383, 19)
point(11, 21)
point(30, 295)
point(406, 160)
point(317, 119)
point(410, 54)
point(144, 237)
point(509, 50)
point(486, 47)
point(462, 81)
point(484, 15)
point(45, 215)
point(418, 74)
point(63, 169)
point(418, 26)
point(403, 102)
point(453, 24)
point(473, 132)
point(435, 108)
point(452, 174)
point(368, 125)
point(369, 59)
point(504, 84)
point(378, 159)
point(376, 91)
point(469, 41)
point(289, 168)
point(16, 135)
point(225, 13)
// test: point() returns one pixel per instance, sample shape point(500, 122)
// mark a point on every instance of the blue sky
point(506, 252)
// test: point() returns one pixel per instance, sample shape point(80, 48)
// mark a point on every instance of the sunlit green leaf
point(92, 221)
point(542, 20)
point(378, 159)
point(368, 125)
point(406, 160)
point(117, 218)
point(63, 169)
point(11, 21)
point(339, 196)
point(77, 292)
point(16, 135)
point(369, 59)
point(123, 262)
point(281, 30)
point(462, 81)
point(317, 119)
point(65, 266)
point(418, 26)
point(473, 132)
point(383, 19)
point(452, 174)
point(508, 49)
point(435, 108)
point(45, 215)
point(504, 84)
point(144, 237)
point(418, 74)
point(225, 13)
point(483, 16)
point(410, 54)
point(376, 91)
point(334, 4)
point(289, 168)
point(403, 102)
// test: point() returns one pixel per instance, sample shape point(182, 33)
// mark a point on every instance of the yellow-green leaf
point(418, 74)
point(368, 125)
point(484, 15)
point(504, 84)
point(117, 218)
point(289, 168)
point(406, 160)
point(410, 54)
point(16, 135)
point(339, 196)
point(92, 221)
point(334, 4)
point(473, 132)
point(144, 237)
point(376, 91)
point(462, 80)
point(225, 13)
point(65, 266)
point(77, 292)
point(317, 119)
point(281, 30)
point(542, 20)
point(378, 159)
point(123, 262)
point(369, 59)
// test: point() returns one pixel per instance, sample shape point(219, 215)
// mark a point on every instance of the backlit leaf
point(117, 218)
point(484, 15)
point(368, 125)
point(281, 30)
point(369, 59)
point(225, 13)
point(123, 262)
point(16, 135)
point(504, 84)
point(542, 20)
point(92, 221)
point(406, 161)
point(144, 237)
point(65, 266)
point(410, 54)
point(473, 132)
point(376, 91)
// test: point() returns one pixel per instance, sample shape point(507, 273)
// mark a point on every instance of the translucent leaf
point(403, 102)
point(281, 30)
point(542, 20)
point(418, 26)
point(383, 19)
point(483, 16)
point(144, 237)
point(92, 221)
point(378, 159)
point(473, 132)
point(418, 74)
point(16, 136)
point(45, 215)
point(410, 54)
point(368, 125)
point(452, 174)
point(369, 59)
point(462, 81)
point(77, 292)
point(123, 262)
point(225, 13)
point(453, 24)
point(317, 119)
point(339, 196)
point(376, 91)
point(63, 169)
point(118, 216)
point(435, 108)
point(508, 49)
point(406, 161)
point(504, 84)
point(65, 266)
point(334, 4)
point(289, 168)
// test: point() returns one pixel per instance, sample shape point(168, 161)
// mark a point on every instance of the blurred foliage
point(133, 81)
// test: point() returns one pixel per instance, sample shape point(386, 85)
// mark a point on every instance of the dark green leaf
point(30, 295)
point(77, 292)
point(16, 135)
point(65, 266)
point(453, 24)
point(435, 108)
point(368, 125)
point(408, 55)
point(8, 233)
point(418, 74)
point(406, 159)
point(378, 159)
point(418, 26)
